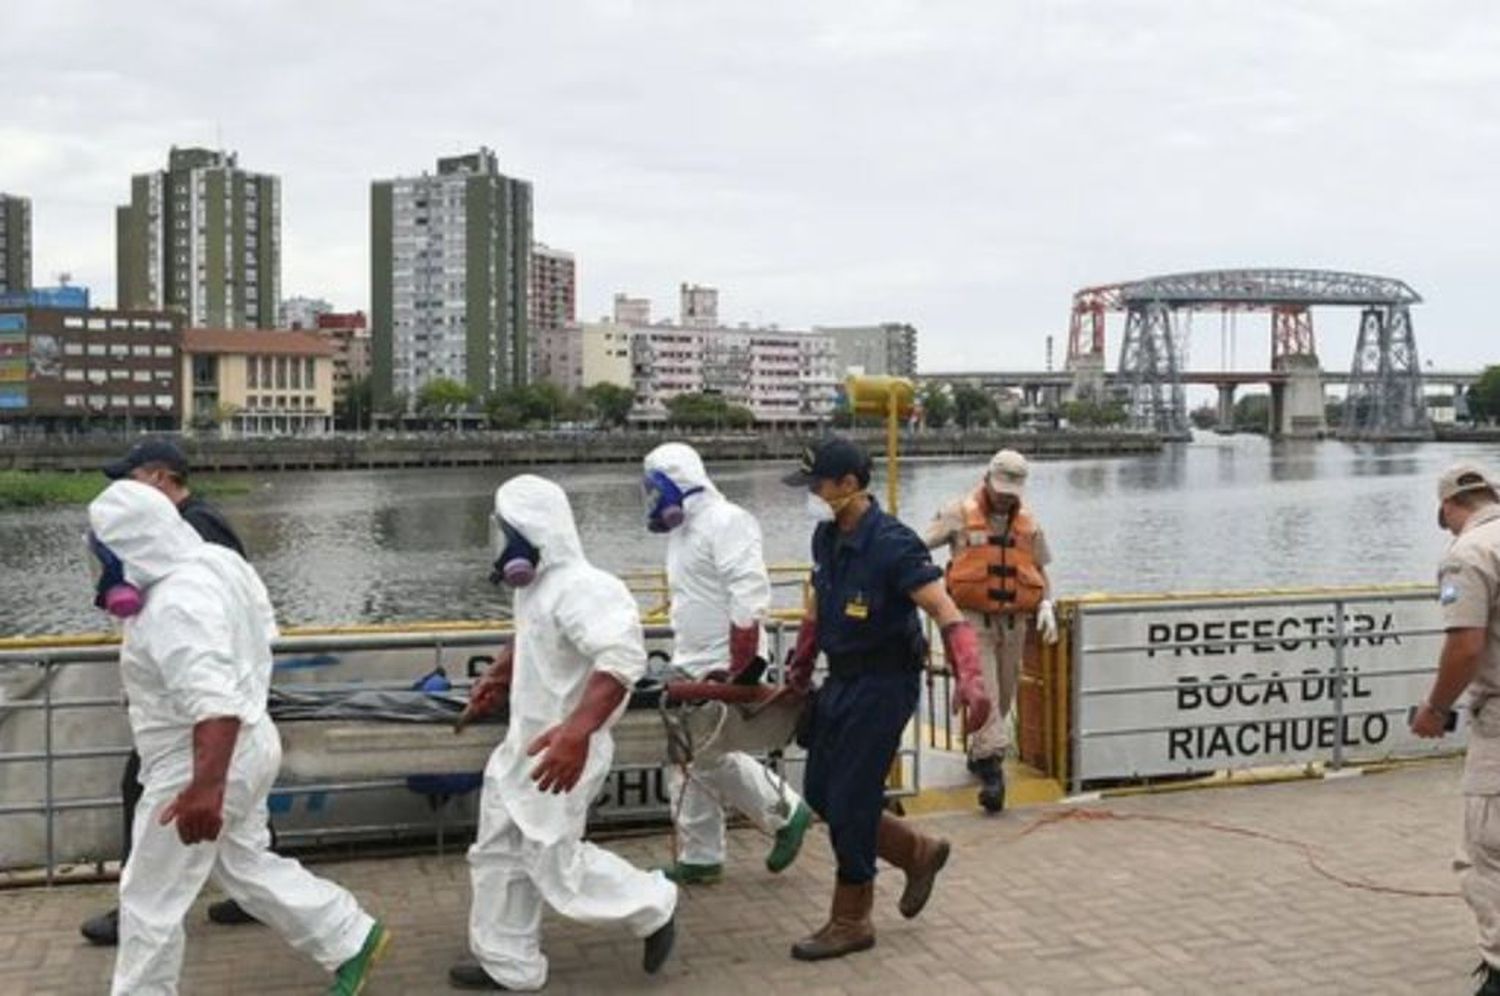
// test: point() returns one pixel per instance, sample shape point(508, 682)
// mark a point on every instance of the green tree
point(611, 403)
point(937, 406)
point(443, 396)
point(546, 404)
point(1094, 414)
point(354, 411)
point(973, 407)
point(1252, 413)
point(1204, 417)
point(739, 417)
point(399, 403)
point(503, 410)
point(1484, 396)
point(705, 410)
point(534, 406)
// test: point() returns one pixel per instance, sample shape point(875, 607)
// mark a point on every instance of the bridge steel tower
point(1151, 371)
point(1385, 383)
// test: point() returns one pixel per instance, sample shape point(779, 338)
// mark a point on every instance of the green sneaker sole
point(354, 973)
point(694, 874)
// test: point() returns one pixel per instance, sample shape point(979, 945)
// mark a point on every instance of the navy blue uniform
point(869, 629)
point(210, 524)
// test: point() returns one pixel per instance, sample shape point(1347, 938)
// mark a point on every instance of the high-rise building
point(15, 244)
point(450, 263)
point(553, 302)
point(301, 313)
point(557, 356)
point(632, 310)
point(699, 306)
point(203, 238)
point(886, 349)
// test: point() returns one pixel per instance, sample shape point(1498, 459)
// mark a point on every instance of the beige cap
point(1463, 477)
point(1007, 473)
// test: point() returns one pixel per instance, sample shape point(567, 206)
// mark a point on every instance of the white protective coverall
point(717, 578)
point(199, 649)
point(573, 620)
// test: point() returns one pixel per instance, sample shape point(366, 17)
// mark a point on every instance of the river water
point(1217, 513)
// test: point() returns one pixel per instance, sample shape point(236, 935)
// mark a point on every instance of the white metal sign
point(1208, 686)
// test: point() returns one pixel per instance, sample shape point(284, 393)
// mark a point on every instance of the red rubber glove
point(744, 641)
point(491, 691)
point(799, 663)
point(566, 745)
point(198, 809)
point(961, 643)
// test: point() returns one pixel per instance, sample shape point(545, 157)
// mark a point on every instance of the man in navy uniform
point(871, 573)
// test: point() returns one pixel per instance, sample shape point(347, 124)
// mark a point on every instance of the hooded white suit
point(717, 579)
point(572, 621)
point(200, 649)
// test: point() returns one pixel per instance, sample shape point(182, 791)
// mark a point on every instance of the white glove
point(1046, 621)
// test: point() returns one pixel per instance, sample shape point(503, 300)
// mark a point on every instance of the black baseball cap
point(162, 451)
point(830, 460)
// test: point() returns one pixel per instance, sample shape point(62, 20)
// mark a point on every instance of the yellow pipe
point(892, 458)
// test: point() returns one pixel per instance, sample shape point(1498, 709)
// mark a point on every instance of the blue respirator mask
point(112, 592)
point(515, 563)
point(664, 501)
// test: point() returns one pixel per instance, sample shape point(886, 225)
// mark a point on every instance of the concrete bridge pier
point(1226, 406)
point(1297, 405)
point(1088, 377)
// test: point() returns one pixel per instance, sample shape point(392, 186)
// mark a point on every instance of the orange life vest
point(995, 573)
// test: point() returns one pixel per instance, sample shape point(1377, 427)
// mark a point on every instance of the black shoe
point(229, 913)
point(658, 946)
point(1489, 979)
point(471, 975)
point(992, 781)
point(103, 930)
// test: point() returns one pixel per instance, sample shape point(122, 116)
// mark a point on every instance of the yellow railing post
point(892, 397)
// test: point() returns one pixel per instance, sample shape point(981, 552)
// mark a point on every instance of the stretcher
point(673, 724)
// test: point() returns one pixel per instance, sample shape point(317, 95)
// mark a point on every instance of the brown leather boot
point(921, 857)
point(848, 928)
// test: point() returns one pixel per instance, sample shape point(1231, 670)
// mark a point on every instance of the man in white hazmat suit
point(720, 595)
point(578, 649)
point(196, 666)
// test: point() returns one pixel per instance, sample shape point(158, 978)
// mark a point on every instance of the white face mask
point(818, 510)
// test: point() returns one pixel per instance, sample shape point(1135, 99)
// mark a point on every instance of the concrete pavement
point(1310, 887)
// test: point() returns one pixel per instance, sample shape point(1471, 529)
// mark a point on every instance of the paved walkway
point(1035, 901)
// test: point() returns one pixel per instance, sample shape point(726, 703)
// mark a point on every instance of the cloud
point(963, 166)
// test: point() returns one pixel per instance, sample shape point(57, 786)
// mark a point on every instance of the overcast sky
point(961, 166)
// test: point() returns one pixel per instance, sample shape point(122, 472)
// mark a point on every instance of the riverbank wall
point(376, 451)
point(1445, 433)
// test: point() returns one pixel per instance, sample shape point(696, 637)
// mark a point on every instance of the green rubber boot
point(685, 873)
point(789, 839)
point(352, 975)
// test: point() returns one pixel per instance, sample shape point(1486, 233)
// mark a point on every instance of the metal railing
point(51, 658)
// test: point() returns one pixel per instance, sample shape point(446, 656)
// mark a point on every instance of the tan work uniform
point(1002, 635)
point(1469, 592)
